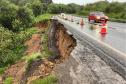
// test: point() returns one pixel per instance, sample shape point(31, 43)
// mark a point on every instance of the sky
point(82, 2)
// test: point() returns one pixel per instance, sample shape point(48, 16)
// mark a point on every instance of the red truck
point(97, 17)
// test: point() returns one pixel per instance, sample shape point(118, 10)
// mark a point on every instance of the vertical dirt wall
point(64, 42)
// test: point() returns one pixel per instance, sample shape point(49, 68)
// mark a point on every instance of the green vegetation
point(16, 21)
point(8, 80)
point(13, 17)
point(61, 8)
point(47, 80)
point(43, 18)
point(2, 70)
point(115, 10)
point(34, 56)
point(12, 45)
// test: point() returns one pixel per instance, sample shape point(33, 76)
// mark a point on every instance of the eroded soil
point(41, 68)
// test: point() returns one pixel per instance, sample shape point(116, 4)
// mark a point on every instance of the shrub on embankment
point(12, 45)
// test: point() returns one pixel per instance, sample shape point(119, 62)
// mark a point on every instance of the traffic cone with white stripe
point(103, 30)
point(71, 19)
point(81, 22)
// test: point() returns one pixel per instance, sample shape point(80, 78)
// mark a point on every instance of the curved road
point(115, 37)
point(111, 47)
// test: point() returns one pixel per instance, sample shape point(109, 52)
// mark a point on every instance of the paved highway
point(111, 47)
point(115, 37)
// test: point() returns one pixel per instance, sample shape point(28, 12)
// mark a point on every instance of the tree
point(53, 8)
point(25, 17)
point(38, 8)
point(7, 14)
point(73, 8)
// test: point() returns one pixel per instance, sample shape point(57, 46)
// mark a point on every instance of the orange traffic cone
point(103, 30)
point(81, 22)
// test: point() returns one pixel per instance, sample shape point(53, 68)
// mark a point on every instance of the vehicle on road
point(64, 16)
point(97, 17)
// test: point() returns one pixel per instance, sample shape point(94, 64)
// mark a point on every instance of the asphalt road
point(115, 37)
point(85, 67)
point(111, 47)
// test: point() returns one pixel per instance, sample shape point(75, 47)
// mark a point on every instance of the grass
point(47, 80)
point(34, 56)
point(43, 18)
point(8, 80)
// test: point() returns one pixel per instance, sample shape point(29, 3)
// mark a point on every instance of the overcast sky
point(81, 2)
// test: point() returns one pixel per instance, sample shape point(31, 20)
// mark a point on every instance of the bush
point(12, 45)
point(25, 35)
point(7, 14)
point(2, 70)
point(8, 80)
point(24, 18)
point(42, 18)
point(10, 49)
point(15, 18)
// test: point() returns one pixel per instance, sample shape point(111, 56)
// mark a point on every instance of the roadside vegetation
point(8, 80)
point(16, 26)
point(47, 80)
point(42, 18)
point(19, 21)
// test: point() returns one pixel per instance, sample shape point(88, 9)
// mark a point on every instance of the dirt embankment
point(34, 44)
point(65, 42)
point(18, 70)
point(42, 26)
point(41, 68)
